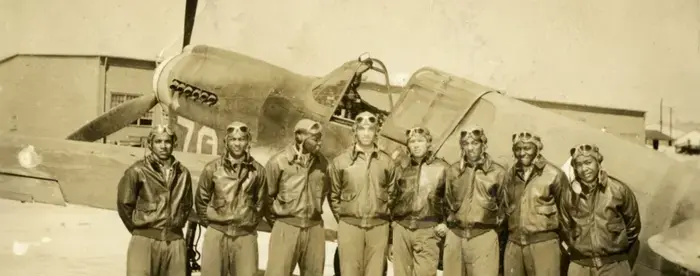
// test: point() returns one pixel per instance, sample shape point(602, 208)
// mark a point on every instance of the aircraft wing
point(680, 244)
point(57, 171)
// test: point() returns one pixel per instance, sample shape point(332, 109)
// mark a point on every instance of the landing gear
point(193, 230)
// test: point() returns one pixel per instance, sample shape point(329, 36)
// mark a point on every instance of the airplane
point(205, 88)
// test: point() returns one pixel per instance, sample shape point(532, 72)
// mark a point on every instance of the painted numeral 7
point(189, 125)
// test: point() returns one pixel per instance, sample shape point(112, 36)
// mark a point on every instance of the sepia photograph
point(353, 138)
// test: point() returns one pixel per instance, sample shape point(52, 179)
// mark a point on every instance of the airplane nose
point(161, 82)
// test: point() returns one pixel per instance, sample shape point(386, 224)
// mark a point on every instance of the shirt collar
point(356, 150)
point(158, 165)
point(427, 159)
point(483, 164)
point(231, 163)
point(602, 183)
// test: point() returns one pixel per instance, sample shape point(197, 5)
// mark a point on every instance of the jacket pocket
point(615, 227)
point(287, 197)
point(145, 213)
point(345, 197)
point(618, 233)
point(488, 204)
point(217, 204)
point(546, 210)
point(548, 216)
point(347, 206)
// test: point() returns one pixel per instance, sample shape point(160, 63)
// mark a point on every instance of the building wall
point(133, 78)
point(624, 123)
point(48, 96)
point(52, 96)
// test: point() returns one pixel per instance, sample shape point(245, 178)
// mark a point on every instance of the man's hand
point(441, 230)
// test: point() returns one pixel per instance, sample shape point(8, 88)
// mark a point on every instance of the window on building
point(120, 98)
point(165, 113)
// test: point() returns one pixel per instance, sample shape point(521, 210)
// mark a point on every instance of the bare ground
point(40, 239)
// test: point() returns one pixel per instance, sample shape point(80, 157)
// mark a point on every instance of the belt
point(525, 239)
point(159, 234)
point(413, 224)
point(472, 231)
point(598, 261)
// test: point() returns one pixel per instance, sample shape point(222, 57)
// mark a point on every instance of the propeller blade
point(190, 12)
point(116, 119)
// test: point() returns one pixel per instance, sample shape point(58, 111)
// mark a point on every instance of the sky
point(624, 53)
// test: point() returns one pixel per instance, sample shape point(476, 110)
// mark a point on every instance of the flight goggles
point(162, 129)
point(366, 118)
point(309, 126)
point(586, 150)
point(527, 137)
point(419, 131)
point(475, 132)
point(237, 127)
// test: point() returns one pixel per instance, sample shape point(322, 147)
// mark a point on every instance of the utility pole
point(661, 116)
point(670, 121)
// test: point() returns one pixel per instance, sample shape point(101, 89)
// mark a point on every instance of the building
point(688, 143)
point(691, 138)
point(656, 138)
point(626, 123)
point(53, 95)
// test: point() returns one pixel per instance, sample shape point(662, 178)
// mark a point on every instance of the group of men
point(416, 197)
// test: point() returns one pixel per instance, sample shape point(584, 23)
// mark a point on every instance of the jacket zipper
point(168, 179)
point(522, 221)
point(594, 229)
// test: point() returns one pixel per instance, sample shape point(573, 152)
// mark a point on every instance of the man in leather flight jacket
point(599, 217)
point(361, 197)
point(419, 211)
point(154, 199)
point(298, 179)
point(229, 200)
point(474, 192)
point(531, 190)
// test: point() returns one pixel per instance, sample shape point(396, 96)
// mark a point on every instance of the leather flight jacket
point(599, 224)
point(230, 195)
point(363, 189)
point(531, 204)
point(474, 195)
point(153, 201)
point(420, 193)
point(297, 188)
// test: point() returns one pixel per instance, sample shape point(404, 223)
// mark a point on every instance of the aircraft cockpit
point(354, 88)
point(352, 103)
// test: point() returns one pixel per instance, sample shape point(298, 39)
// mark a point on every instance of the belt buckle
point(597, 262)
point(523, 239)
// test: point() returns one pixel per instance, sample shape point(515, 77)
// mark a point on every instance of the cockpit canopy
point(342, 90)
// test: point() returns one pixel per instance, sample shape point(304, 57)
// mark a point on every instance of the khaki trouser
point(151, 257)
point(477, 256)
point(362, 250)
point(416, 252)
point(291, 245)
point(224, 255)
point(613, 269)
point(537, 259)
